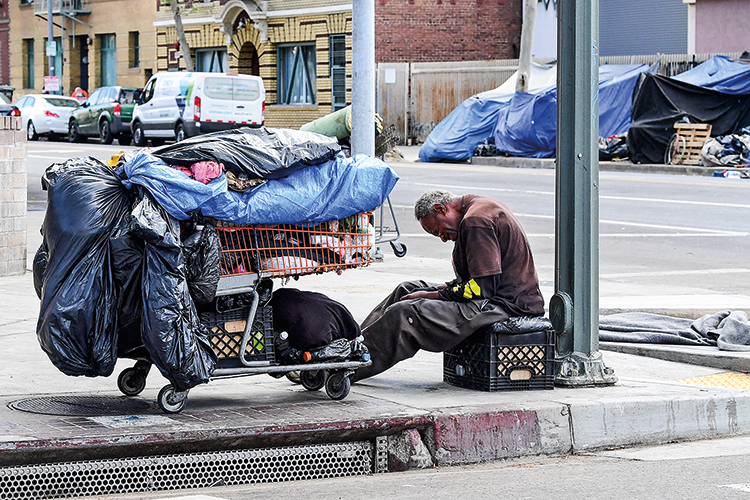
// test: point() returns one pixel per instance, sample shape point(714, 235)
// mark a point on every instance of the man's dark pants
point(396, 329)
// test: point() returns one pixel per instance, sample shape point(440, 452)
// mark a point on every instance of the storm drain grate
point(195, 470)
point(82, 405)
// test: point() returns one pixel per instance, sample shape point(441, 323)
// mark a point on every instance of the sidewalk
point(426, 421)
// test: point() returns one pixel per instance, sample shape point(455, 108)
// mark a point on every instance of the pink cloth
point(184, 170)
point(206, 171)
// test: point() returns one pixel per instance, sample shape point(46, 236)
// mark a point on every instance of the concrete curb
point(655, 420)
point(737, 361)
point(604, 166)
point(576, 423)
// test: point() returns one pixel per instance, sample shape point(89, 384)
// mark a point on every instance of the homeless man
point(496, 280)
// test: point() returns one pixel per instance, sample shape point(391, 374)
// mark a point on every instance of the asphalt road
point(657, 231)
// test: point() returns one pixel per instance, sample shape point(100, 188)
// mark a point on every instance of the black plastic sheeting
point(77, 325)
point(202, 262)
point(114, 281)
point(659, 102)
point(171, 329)
point(266, 153)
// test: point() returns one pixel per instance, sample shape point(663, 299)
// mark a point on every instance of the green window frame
point(135, 49)
point(212, 60)
point(337, 64)
point(28, 74)
point(296, 79)
point(107, 60)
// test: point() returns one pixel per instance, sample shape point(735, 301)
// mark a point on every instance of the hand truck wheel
point(130, 383)
point(313, 380)
point(338, 385)
point(171, 400)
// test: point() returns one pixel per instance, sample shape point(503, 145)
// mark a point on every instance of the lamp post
point(574, 309)
point(363, 77)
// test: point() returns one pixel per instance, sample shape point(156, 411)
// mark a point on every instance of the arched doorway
point(247, 61)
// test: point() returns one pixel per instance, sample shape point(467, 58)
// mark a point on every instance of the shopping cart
point(240, 320)
point(384, 142)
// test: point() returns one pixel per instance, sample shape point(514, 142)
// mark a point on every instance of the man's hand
point(422, 295)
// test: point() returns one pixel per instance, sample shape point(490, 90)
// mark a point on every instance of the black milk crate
point(489, 361)
point(226, 330)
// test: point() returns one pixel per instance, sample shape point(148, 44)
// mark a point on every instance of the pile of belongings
point(727, 330)
point(128, 250)
point(613, 148)
point(732, 150)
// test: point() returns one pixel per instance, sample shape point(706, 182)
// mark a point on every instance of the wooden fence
point(417, 96)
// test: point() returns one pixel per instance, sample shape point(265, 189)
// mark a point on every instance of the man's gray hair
point(424, 207)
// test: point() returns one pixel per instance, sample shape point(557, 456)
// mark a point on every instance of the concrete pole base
point(579, 370)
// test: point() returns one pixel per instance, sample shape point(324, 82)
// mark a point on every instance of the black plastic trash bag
point(521, 324)
point(339, 350)
point(613, 148)
point(202, 262)
point(266, 153)
point(77, 325)
point(171, 330)
point(127, 252)
point(39, 266)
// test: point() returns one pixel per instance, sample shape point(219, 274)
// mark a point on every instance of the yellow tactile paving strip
point(731, 380)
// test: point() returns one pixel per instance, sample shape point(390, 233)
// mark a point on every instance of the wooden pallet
point(695, 135)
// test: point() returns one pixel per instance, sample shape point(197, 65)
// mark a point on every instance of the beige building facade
point(97, 43)
point(301, 49)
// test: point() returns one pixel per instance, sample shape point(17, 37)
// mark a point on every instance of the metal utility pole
point(363, 77)
point(527, 42)
point(50, 38)
point(574, 309)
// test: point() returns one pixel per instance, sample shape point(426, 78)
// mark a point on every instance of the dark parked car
point(105, 114)
point(6, 108)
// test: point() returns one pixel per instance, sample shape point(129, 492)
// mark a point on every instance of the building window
point(296, 74)
point(337, 61)
point(135, 49)
point(28, 66)
point(211, 60)
point(108, 60)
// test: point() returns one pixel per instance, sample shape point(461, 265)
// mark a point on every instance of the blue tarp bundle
point(471, 123)
point(331, 190)
point(523, 124)
point(721, 74)
point(527, 127)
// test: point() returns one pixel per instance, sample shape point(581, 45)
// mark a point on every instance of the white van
point(176, 105)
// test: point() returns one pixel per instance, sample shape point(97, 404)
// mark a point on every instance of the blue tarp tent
point(527, 126)
point(721, 74)
point(471, 123)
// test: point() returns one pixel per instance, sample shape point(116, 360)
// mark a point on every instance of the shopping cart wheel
point(399, 249)
point(171, 400)
point(130, 382)
point(338, 385)
point(313, 380)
